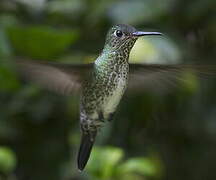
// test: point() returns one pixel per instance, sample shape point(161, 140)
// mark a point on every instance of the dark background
point(165, 136)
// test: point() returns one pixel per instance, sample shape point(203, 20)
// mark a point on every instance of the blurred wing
point(61, 78)
point(159, 77)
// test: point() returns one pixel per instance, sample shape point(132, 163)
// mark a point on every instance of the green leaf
point(103, 161)
point(143, 166)
point(7, 160)
point(40, 41)
point(8, 80)
point(190, 82)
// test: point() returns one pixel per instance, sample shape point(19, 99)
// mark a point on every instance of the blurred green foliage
point(106, 163)
point(155, 136)
point(7, 160)
point(36, 41)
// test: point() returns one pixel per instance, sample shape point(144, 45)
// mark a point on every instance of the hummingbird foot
point(91, 125)
point(111, 116)
point(101, 116)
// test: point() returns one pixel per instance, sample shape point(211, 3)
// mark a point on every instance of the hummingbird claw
point(101, 116)
point(111, 115)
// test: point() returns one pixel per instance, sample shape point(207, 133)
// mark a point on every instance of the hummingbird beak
point(141, 33)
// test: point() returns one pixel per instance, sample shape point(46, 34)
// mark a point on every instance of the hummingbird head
point(122, 37)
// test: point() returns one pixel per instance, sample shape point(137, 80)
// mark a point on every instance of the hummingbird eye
point(118, 33)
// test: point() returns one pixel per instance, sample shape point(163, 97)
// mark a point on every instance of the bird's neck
point(111, 59)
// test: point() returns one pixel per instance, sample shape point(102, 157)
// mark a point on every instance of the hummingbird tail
point(87, 142)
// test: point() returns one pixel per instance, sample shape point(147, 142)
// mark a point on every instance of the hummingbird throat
point(111, 56)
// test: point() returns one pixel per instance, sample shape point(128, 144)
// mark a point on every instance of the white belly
point(112, 101)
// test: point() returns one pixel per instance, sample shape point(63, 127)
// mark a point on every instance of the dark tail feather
point(87, 142)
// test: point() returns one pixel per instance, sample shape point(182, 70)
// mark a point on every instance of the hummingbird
point(101, 84)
